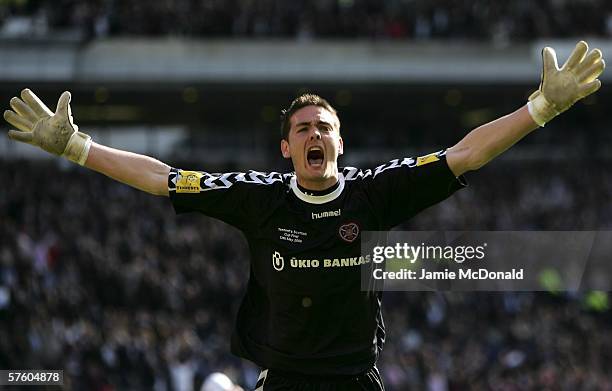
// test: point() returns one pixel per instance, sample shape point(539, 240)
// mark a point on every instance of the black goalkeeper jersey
point(304, 310)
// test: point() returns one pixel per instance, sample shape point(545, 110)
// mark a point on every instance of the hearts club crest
point(349, 232)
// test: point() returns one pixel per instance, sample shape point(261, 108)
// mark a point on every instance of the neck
point(318, 185)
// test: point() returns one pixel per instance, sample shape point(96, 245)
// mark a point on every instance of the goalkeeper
point(304, 319)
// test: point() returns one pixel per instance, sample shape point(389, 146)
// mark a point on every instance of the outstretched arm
point(559, 90)
point(484, 143)
point(56, 133)
point(142, 172)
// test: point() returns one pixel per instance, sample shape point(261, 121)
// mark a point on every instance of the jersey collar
point(312, 199)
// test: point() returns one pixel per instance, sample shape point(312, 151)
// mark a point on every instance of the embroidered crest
point(349, 232)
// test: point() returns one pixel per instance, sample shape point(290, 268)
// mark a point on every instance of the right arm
point(142, 172)
point(57, 134)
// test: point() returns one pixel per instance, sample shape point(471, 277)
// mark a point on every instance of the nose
point(315, 134)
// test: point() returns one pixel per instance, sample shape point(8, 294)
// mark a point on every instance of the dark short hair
point(298, 103)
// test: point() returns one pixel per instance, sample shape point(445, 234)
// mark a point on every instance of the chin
point(322, 174)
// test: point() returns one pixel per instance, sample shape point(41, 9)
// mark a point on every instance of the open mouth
point(315, 156)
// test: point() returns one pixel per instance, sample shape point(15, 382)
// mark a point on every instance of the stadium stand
point(421, 19)
point(124, 295)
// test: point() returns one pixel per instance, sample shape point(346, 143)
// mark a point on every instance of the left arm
point(486, 142)
point(559, 89)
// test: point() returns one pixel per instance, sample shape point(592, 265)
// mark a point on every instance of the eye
point(300, 130)
point(325, 128)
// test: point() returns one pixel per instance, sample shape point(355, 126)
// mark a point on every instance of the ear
point(340, 146)
point(284, 146)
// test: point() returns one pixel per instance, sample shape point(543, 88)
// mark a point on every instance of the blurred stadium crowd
point(501, 21)
point(108, 283)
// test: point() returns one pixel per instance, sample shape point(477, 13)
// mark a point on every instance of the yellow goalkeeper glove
point(53, 132)
point(561, 88)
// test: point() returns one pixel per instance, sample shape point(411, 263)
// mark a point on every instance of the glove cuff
point(540, 109)
point(77, 148)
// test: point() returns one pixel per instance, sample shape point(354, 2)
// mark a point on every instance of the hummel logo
point(331, 213)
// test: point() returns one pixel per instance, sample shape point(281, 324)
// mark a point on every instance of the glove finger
point(18, 121)
point(23, 110)
point(35, 104)
point(24, 137)
point(592, 72)
point(577, 55)
point(589, 88)
point(63, 105)
point(549, 61)
point(591, 58)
